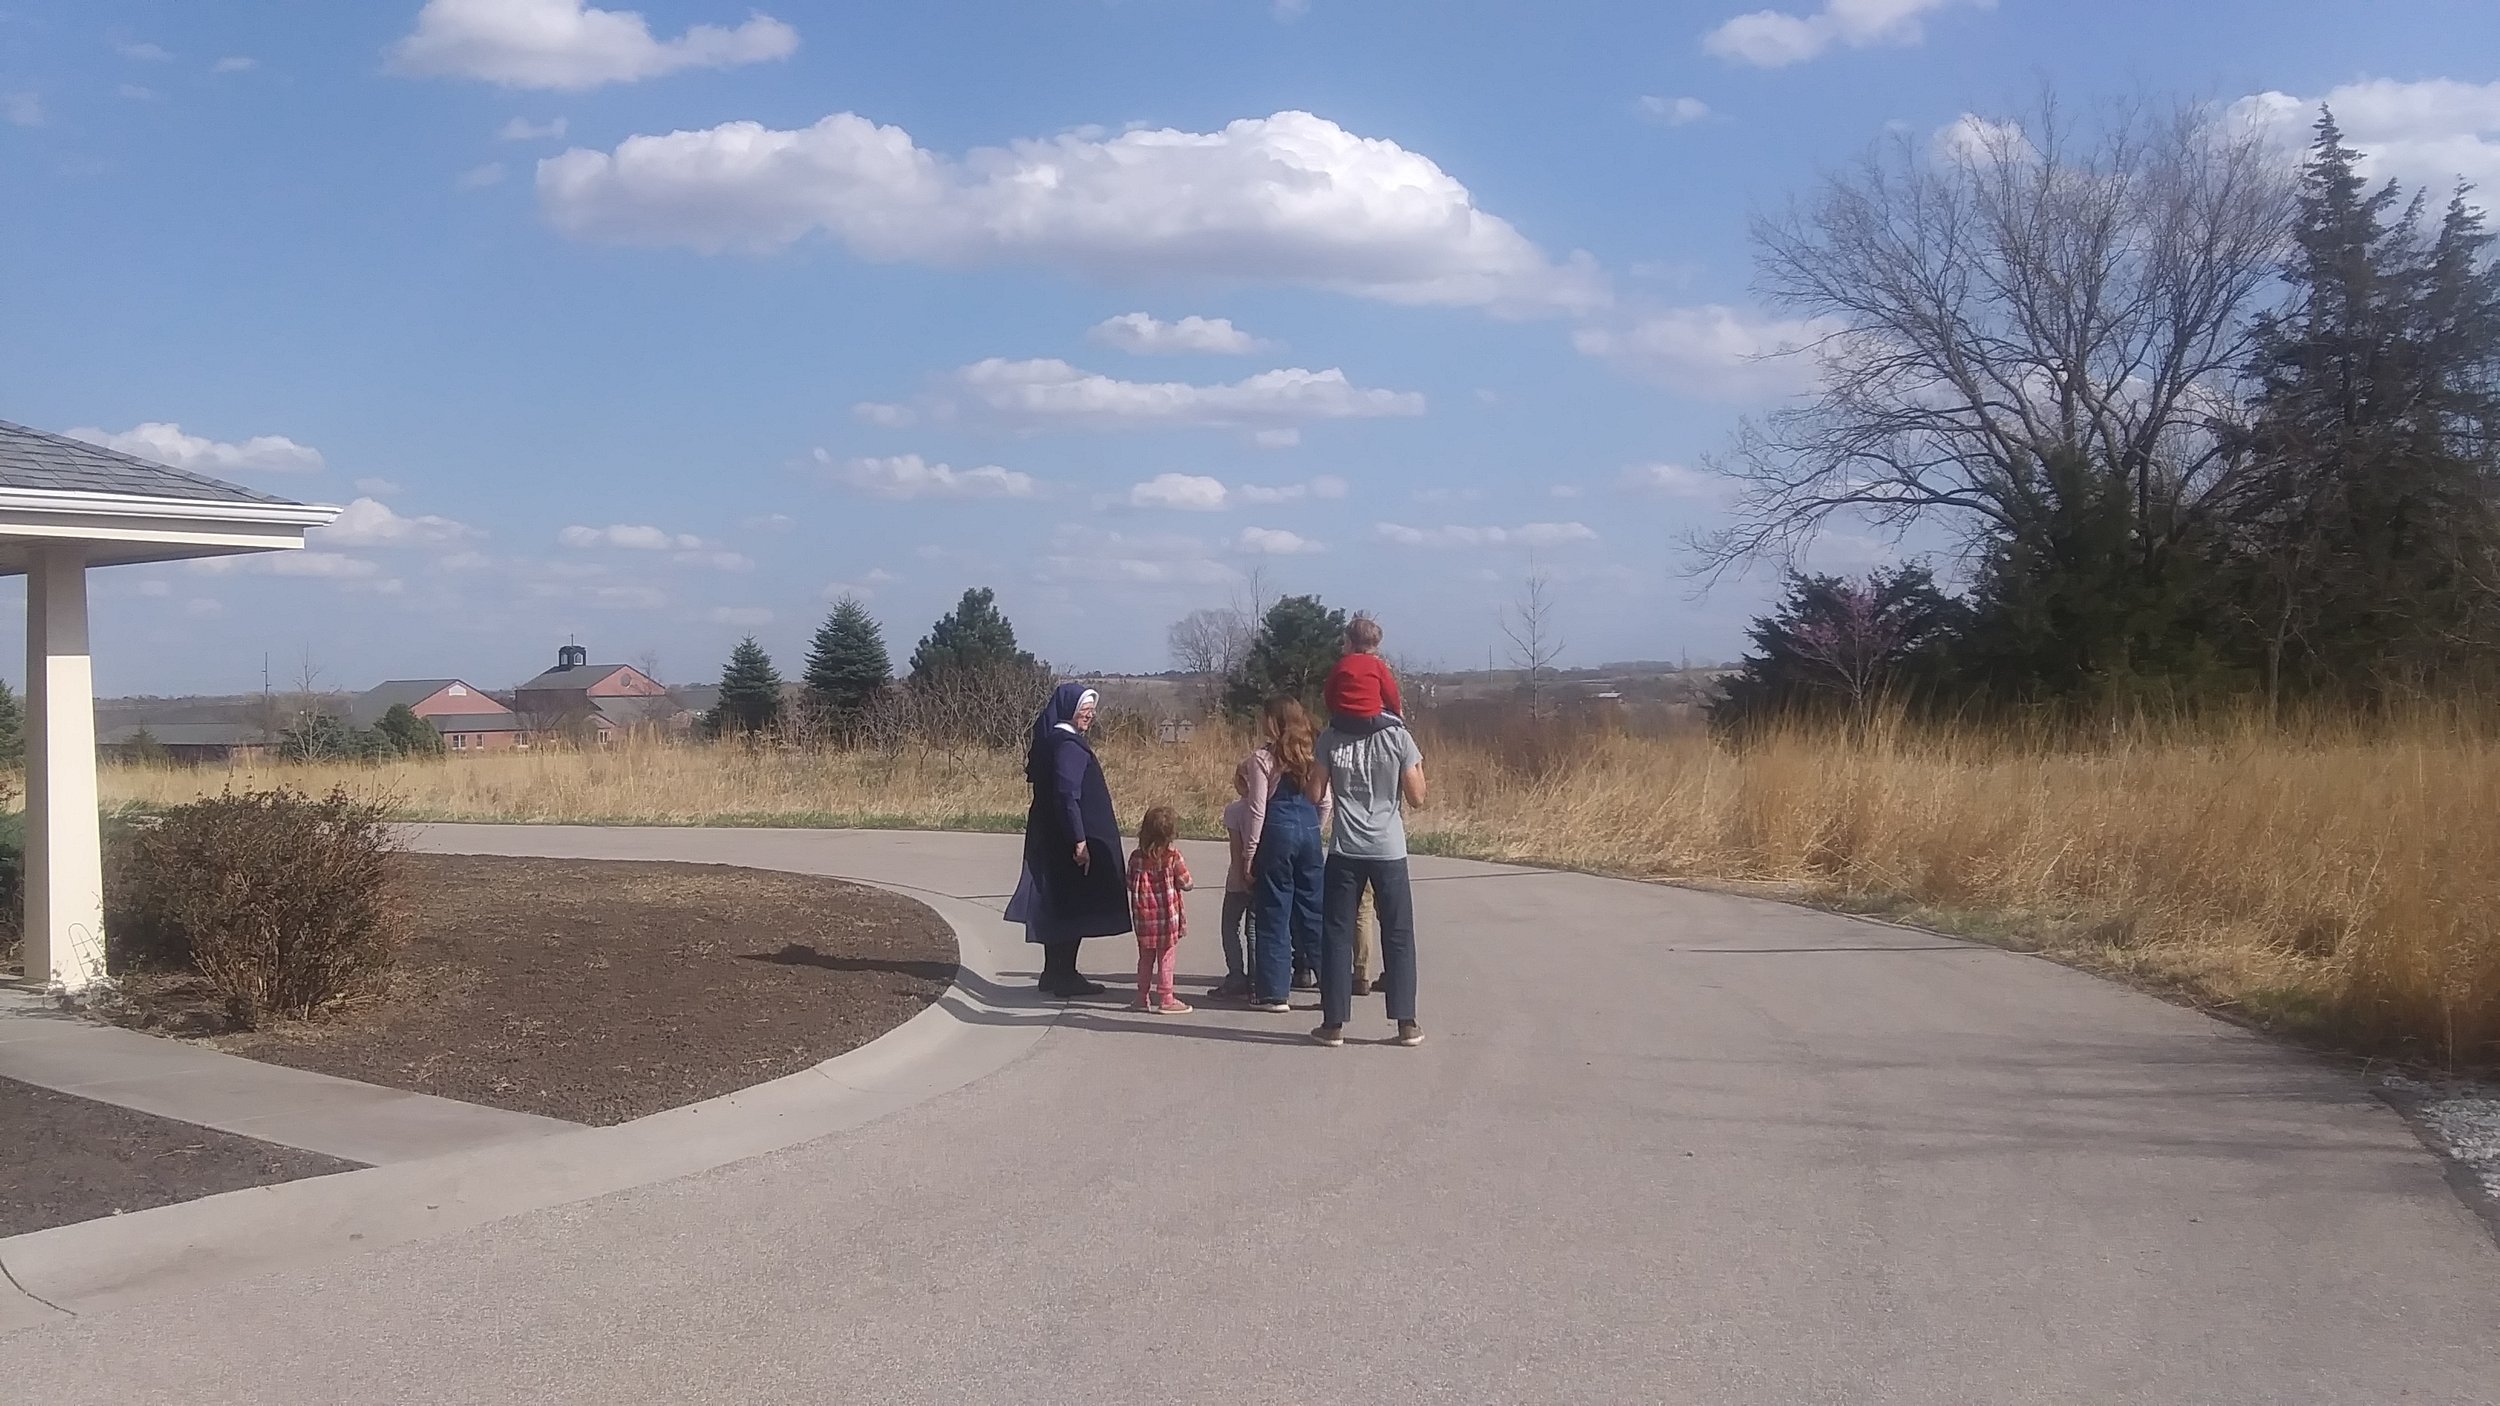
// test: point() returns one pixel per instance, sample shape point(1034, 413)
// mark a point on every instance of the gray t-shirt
point(1364, 773)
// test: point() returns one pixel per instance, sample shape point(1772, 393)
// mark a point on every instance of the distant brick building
point(468, 719)
point(598, 703)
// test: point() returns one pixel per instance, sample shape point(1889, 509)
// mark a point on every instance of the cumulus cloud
point(2428, 133)
point(1676, 112)
point(630, 537)
point(568, 45)
point(1199, 493)
point(167, 444)
point(521, 129)
point(885, 415)
point(1717, 352)
point(1290, 199)
point(1535, 534)
point(368, 522)
point(1276, 542)
point(1051, 394)
point(1147, 335)
point(910, 476)
point(1670, 481)
point(1083, 554)
point(1777, 38)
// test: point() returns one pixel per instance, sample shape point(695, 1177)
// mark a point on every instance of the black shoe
point(1079, 986)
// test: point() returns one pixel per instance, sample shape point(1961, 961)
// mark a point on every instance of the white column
point(64, 943)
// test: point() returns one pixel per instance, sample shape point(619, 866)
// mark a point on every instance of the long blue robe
point(1054, 899)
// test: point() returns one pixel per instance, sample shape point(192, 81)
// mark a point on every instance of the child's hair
point(1362, 634)
point(1157, 831)
point(1291, 736)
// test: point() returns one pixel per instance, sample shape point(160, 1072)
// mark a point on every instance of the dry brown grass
point(2339, 879)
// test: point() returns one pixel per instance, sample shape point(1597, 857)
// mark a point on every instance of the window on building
point(460, 742)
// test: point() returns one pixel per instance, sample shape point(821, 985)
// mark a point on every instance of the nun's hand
point(1084, 857)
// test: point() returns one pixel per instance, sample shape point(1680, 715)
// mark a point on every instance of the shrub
point(285, 903)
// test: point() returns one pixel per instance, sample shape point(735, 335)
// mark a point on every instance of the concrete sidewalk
point(1662, 1146)
point(41, 1044)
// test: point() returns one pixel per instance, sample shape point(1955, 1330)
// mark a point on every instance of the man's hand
point(1413, 786)
point(1084, 857)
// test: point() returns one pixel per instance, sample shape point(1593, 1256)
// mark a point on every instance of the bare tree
point(2009, 297)
point(1535, 635)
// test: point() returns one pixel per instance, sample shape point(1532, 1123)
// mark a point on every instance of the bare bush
point(984, 708)
point(287, 904)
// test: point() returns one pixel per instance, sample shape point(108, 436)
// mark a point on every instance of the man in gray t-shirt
point(1372, 778)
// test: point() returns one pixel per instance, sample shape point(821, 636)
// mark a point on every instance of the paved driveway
point(1662, 1147)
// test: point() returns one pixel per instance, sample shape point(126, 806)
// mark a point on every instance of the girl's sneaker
point(1174, 1005)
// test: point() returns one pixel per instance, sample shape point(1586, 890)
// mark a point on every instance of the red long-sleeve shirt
point(1362, 686)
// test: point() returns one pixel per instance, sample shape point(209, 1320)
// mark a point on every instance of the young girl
point(1157, 877)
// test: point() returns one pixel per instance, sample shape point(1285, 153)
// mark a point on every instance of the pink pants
point(1154, 972)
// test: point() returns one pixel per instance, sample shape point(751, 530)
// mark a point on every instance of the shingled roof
point(59, 464)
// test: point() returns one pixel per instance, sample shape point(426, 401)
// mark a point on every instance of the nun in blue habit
point(1075, 884)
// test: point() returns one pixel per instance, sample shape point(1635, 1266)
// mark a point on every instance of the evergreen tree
point(12, 729)
point(1835, 645)
point(750, 692)
point(847, 665)
point(974, 638)
point(408, 734)
point(1297, 644)
point(2367, 555)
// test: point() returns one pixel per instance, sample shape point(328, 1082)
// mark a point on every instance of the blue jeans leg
point(1310, 869)
point(1393, 902)
point(1342, 897)
point(1271, 923)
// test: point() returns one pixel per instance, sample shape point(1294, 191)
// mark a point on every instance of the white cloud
point(1533, 535)
point(1676, 112)
point(770, 522)
point(326, 566)
point(866, 587)
point(885, 415)
point(1277, 439)
point(630, 537)
point(1188, 493)
point(1199, 493)
point(1670, 481)
point(167, 444)
point(377, 487)
point(1982, 141)
point(1290, 199)
point(368, 522)
point(744, 617)
point(480, 177)
point(145, 53)
point(1718, 352)
point(235, 63)
point(1276, 542)
point(1051, 394)
point(2427, 133)
point(1147, 335)
point(1290, 10)
point(714, 559)
point(910, 476)
point(521, 129)
point(23, 109)
point(567, 45)
point(1082, 554)
point(1776, 38)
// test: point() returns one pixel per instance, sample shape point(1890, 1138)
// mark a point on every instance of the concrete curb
point(976, 1028)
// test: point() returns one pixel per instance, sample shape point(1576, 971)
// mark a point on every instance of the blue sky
point(656, 328)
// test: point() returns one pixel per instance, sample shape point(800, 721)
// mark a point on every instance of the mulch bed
point(599, 992)
point(67, 1159)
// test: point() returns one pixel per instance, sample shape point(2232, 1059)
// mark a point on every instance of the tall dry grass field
point(2341, 879)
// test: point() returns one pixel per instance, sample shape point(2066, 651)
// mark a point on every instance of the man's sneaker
point(1271, 1007)
point(1330, 1035)
point(1409, 1034)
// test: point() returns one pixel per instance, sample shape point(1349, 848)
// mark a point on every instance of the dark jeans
point(1237, 925)
point(1393, 900)
point(1285, 927)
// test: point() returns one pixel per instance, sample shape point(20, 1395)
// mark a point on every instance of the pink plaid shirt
point(1154, 898)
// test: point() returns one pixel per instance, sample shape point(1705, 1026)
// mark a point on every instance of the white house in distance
point(66, 507)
